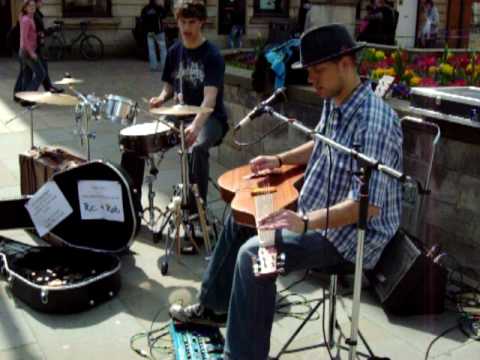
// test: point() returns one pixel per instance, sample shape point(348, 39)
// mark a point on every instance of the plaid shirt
point(366, 120)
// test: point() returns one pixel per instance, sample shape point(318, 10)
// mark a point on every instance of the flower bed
point(243, 59)
point(410, 68)
point(421, 69)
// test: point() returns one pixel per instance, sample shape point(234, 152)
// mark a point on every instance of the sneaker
point(56, 90)
point(197, 314)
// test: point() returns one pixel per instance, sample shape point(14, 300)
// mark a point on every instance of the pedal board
point(196, 342)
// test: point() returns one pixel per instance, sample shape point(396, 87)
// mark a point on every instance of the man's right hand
point(264, 162)
point(155, 102)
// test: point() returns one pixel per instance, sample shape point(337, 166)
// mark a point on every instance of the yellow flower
point(409, 72)
point(379, 55)
point(446, 69)
point(378, 73)
point(414, 81)
point(432, 70)
point(390, 71)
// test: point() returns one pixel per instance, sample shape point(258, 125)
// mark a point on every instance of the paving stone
point(25, 352)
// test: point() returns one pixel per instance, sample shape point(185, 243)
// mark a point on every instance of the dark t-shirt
point(190, 70)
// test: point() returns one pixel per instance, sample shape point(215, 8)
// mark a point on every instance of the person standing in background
point(152, 15)
point(29, 59)
point(42, 32)
point(429, 33)
point(238, 24)
point(380, 25)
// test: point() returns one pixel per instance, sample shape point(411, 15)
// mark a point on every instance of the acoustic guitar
point(254, 196)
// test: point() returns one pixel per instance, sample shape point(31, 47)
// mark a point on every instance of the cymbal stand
point(30, 109)
point(154, 212)
point(177, 215)
point(90, 107)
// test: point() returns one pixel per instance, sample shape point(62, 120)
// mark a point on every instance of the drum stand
point(88, 109)
point(30, 109)
point(154, 212)
point(177, 216)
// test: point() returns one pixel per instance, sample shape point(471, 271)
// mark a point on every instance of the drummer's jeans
point(210, 135)
point(229, 284)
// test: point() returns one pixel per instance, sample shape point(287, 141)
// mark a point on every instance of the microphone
point(279, 94)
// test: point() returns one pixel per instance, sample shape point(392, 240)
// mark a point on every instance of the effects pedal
point(196, 342)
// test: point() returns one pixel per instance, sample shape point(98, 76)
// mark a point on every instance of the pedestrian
point(429, 34)
point(152, 16)
point(32, 71)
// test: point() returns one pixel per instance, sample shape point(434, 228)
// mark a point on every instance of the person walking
point(152, 15)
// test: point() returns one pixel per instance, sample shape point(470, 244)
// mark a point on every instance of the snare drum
point(119, 109)
point(148, 138)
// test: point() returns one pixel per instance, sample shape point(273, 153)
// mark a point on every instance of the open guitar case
point(85, 271)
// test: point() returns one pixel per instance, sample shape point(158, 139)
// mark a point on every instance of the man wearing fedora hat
point(322, 233)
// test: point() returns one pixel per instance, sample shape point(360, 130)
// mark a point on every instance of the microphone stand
point(366, 165)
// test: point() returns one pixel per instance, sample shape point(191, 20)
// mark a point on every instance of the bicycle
point(91, 46)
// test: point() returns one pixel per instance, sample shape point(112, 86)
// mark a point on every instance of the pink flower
point(428, 82)
point(459, 61)
point(459, 82)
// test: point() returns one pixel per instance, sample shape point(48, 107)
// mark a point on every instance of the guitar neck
point(264, 207)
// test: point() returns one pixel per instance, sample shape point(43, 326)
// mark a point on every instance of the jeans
point(152, 41)
point(32, 73)
point(199, 168)
point(229, 284)
point(235, 37)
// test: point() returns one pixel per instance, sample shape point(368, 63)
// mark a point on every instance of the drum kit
point(145, 140)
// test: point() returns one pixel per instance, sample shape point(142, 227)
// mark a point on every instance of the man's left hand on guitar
point(282, 219)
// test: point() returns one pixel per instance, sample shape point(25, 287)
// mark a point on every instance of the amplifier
point(406, 281)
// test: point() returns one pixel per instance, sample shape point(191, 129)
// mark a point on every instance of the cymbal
point(48, 98)
point(68, 81)
point(181, 110)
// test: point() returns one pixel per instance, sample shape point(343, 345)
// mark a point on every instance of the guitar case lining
point(59, 279)
point(84, 271)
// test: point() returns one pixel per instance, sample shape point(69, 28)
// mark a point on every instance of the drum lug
point(44, 296)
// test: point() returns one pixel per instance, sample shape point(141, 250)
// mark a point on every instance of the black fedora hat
point(324, 43)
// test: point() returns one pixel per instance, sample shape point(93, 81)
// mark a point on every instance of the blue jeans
point(32, 73)
point(230, 285)
point(210, 135)
point(152, 41)
point(235, 37)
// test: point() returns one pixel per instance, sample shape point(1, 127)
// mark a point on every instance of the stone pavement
point(104, 332)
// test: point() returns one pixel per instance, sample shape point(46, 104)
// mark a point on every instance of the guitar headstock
point(268, 262)
point(384, 84)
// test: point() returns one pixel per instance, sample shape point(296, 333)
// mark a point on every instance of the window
point(87, 8)
point(270, 8)
point(474, 42)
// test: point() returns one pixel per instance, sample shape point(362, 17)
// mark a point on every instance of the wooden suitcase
point(38, 165)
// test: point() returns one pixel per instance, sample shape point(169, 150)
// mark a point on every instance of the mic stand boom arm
point(366, 165)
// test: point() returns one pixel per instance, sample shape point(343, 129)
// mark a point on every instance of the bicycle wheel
point(91, 47)
point(55, 49)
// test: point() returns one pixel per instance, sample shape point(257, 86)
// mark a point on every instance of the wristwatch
point(305, 220)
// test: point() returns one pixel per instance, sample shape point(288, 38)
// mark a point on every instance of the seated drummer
point(352, 114)
point(193, 75)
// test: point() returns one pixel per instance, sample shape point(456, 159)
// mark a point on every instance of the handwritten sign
point(48, 207)
point(100, 199)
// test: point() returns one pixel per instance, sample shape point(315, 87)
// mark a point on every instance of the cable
point(261, 138)
point(438, 338)
point(150, 340)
